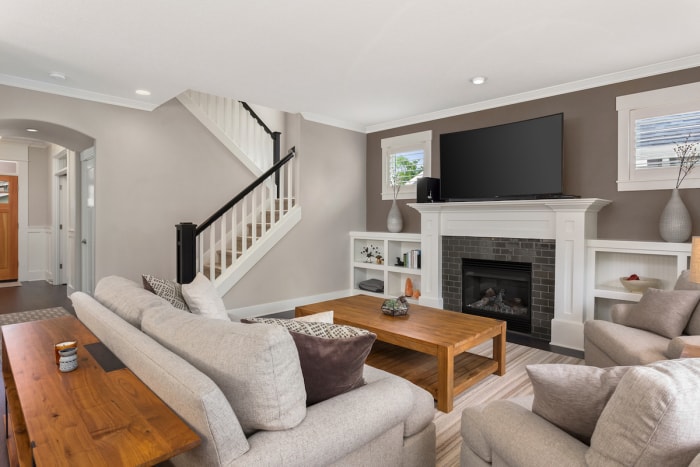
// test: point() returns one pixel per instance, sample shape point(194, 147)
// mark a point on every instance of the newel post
point(186, 252)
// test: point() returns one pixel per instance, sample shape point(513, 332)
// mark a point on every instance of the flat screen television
point(520, 160)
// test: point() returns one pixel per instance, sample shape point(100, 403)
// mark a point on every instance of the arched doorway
point(65, 166)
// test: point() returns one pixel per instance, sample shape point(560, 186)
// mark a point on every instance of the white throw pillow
point(203, 299)
point(323, 317)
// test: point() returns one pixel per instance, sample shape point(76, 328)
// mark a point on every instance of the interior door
point(87, 222)
point(9, 228)
point(63, 256)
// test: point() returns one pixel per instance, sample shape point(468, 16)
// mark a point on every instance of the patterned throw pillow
point(332, 356)
point(165, 289)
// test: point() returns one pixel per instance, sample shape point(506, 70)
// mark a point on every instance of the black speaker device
point(428, 190)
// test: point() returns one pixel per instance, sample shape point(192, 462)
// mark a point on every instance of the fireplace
point(498, 289)
point(537, 254)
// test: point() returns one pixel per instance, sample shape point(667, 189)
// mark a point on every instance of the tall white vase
point(394, 221)
point(675, 224)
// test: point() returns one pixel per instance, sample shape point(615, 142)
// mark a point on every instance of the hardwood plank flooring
point(33, 295)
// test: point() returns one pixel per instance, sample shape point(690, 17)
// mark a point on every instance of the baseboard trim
point(254, 311)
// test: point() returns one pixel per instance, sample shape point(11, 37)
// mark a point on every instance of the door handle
point(84, 242)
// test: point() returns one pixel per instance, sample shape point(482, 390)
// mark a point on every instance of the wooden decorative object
point(695, 260)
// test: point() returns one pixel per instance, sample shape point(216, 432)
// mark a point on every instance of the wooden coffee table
point(85, 417)
point(407, 345)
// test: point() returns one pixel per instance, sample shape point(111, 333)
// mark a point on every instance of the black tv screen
point(512, 161)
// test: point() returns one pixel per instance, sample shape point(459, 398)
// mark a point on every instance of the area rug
point(514, 383)
point(32, 315)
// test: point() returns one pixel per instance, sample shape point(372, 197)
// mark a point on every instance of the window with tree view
point(405, 159)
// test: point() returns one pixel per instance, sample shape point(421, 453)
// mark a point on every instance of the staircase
point(237, 126)
point(232, 240)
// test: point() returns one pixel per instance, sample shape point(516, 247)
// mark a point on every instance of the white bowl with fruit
point(637, 284)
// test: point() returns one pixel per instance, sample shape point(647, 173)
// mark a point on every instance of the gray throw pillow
point(256, 367)
point(663, 312)
point(684, 283)
point(572, 397)
point(165, 289)
point(332, 356)
point(652, 418)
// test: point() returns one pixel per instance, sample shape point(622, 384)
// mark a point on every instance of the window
point(405, 158)
point(651, 126)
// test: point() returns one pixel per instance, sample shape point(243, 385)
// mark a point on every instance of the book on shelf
point(411, 259)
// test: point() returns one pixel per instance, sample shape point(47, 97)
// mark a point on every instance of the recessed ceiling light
point(32, 130)
point(478, 80)
point(57, 75)
point(143, 92)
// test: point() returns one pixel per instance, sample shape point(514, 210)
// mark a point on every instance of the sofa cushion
point(323, 317)
point(129, 300)
point(256, 367)
point(332, 356)
point(168, 290)
point(203, 299)
point(572, 397)
point(652, 418)
point(625, 345)
point(664, 312)
point(684, 283)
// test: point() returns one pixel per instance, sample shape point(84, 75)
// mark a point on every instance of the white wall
point(155, 169)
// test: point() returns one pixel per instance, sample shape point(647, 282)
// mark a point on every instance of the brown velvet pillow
point(332, 356)
point(663, 312)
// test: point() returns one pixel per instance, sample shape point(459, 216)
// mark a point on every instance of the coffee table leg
point(499, 351)
point(446, 378)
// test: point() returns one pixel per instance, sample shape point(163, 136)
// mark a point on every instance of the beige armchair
point(587, 416)
point(656, 328)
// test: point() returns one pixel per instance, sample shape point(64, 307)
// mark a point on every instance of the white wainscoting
point(38, 253)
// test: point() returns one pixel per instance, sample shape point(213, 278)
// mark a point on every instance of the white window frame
point(404, 143)
point(666, 101)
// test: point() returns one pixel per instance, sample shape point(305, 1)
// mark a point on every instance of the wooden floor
point(33, 295)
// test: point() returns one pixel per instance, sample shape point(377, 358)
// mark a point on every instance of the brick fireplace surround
point(568, 222)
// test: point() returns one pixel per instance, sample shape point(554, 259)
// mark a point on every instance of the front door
point(9, 228)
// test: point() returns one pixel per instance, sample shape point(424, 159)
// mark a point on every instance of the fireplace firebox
point(498, 289)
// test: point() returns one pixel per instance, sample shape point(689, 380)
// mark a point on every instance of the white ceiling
point(363, 64)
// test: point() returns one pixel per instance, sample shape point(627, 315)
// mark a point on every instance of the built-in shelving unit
point(608, 260)
point(389, 246)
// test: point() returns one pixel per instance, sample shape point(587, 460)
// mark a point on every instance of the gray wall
point(314, 257)
point(155, 169)
point(590, 157)
point(39, 187)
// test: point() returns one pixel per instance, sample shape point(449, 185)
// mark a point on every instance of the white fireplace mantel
point(570, 222)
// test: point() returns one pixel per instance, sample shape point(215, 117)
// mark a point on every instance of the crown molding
point(580, 85)
point(65, 91)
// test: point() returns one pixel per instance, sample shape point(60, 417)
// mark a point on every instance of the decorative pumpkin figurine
point(409, 287)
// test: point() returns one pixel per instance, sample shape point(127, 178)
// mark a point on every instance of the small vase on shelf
point(675, 224)
point(394, 221)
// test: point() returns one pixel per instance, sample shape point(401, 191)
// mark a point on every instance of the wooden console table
point(428, 346)
point(85, 417)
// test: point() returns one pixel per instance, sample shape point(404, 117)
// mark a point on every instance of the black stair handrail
point(187, 232)
point(272, 170)
point(259, 120)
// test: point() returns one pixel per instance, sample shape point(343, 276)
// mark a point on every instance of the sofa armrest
point(519, 437)
point(335, 427)
point(620, 311)
point(680, 343)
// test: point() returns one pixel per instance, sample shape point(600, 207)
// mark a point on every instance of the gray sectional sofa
point(240, 388)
